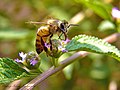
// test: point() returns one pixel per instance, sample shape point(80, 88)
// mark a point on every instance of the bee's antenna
point(72, 25)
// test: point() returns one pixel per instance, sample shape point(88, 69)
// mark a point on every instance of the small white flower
point(18, 60)
point(116, 13)
point(62, 49)
point(22, 55)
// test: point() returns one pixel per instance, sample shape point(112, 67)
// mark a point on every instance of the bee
point(46, 32)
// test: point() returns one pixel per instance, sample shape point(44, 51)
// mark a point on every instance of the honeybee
point(45, 32)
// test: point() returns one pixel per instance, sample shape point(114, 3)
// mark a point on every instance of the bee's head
point(64, 25)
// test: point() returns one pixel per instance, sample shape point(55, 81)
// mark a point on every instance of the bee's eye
point(62, 26)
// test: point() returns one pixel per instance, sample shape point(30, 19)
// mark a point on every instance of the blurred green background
point(94, 72)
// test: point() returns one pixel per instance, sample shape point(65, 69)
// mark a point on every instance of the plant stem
point(55, 62)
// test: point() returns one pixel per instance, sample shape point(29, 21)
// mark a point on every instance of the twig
point(77, 18)
point(113, 85)
point(52, 70)
point(14, 85)
point(112, 38)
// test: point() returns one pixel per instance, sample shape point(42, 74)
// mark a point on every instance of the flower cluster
point(61, 47)
point(58, 47)
point(29, 59)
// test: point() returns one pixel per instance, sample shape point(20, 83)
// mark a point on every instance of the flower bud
point(30, 60)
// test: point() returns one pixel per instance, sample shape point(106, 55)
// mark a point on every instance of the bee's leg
point(65, 35)
point(60, 36)
point(50, 42)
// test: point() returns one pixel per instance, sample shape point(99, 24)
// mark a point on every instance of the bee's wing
point(32, 22)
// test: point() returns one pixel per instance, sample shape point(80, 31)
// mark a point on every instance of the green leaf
point(10, 71)
point(59, 13)
point(12, 34)
point(68, 71)
point(93, 44)
point(106, 25)
point(100, 8)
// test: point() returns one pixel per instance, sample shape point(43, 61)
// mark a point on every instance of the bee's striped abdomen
point(42, 34)
point(39, 46)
